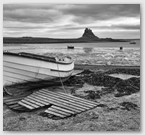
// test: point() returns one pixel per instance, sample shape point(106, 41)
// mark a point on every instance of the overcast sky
point(70, 20)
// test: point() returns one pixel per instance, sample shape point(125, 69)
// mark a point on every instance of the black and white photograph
point(71, 67)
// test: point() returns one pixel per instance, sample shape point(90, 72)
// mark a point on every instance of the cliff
point(89, 35)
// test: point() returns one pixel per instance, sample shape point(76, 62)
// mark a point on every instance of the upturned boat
point(35, 69)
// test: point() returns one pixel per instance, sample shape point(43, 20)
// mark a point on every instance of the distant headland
point(87, 37)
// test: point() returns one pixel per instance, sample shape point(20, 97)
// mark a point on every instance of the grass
point(101, 118)
point(112, 113)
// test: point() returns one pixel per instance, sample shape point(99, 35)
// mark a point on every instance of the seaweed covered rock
point(135, 82)
point(111, 84)
point(127, 87)
point(75, 81)
point(79, 80)
point(128, 106)
point(102, 80)
point(93, 95)
point(87, 71)
point(124, 71)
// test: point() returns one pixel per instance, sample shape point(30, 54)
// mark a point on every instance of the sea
point(86, 53)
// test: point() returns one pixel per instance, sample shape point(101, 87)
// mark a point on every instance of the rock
point(127, 87)
point(102, 105)
point(111, 84)
point(93, 95)
point(124, 71)
point(22, 118)
point(128, 106)
point(102, 80)
point(94, 115)
point(87, 71)
point(89, 35)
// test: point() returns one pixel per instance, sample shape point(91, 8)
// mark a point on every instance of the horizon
point(117, 21)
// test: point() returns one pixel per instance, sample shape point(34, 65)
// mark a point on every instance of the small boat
point(132, 42)
point(70, 47)
point(26, 67)
point(121, 48)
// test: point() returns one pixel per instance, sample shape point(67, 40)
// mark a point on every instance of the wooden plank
point(61, 100)
point(58, 104)
point(54, 100)
point(58, 111)
point(12, 102)
point(91, 102)
point(62, 109)
point(46, 101)
point(38, 100)
point(13, 99)
point(20, 108)
point(58, 96)
point(17, 107)
point(67, 96)
point(29, 103)
point(14, 105)
point(56, 114)
point(80, 99)
point(79, 102)
point(32, 101)
point(73, 97)
point(27, 106)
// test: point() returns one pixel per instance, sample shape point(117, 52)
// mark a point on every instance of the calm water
point(86, 53)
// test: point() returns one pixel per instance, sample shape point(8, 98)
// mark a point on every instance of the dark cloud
point(66, 17)
point(128, 27)
point(31, 15)
point(103, 12)
point(83, 13)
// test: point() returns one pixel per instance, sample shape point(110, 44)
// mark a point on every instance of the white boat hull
point(22, 69)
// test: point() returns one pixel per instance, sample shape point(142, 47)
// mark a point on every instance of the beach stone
point(93, 95)
point(94, 115)
point(128, 106)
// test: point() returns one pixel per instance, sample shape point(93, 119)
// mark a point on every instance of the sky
point(69, 20)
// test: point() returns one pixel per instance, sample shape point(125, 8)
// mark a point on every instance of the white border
point(142, 2)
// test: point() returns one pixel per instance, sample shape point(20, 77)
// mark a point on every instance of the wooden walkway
point(12, 103)
point(59, 104)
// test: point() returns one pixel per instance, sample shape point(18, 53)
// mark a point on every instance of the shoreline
point(87, 66)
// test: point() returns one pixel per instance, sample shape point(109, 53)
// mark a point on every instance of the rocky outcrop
point(88, 34)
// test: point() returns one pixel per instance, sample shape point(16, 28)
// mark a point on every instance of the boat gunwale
point(34, 72)
point(40, 58)
point(36, 67)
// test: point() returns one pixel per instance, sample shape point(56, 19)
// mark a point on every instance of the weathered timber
point(68, 96)
point(58, 111)
point(56, 114)
point(62, 109)
point(62, 100)
point(55, 101)
point(26, 105)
